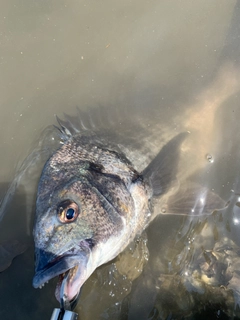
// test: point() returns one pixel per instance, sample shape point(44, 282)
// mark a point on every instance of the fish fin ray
point(192, 200)
point(63, 127)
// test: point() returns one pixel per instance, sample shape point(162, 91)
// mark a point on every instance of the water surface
point(173, 67)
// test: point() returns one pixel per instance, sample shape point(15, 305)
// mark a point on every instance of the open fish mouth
point(70, 268)
point(66, 287)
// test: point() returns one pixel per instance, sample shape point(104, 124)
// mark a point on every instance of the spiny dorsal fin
point(63, 128)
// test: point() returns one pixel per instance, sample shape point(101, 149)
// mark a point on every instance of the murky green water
point(172, 66)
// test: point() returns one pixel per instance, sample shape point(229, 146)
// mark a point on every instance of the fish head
point(79, 224)
point(63, 241)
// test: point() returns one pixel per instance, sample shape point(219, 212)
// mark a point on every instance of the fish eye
point(67, 211)
point(70, 213)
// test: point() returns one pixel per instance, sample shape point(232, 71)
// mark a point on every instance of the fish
point(94, 198)
point(159, 158)
point(91, 203)
point(130, 180)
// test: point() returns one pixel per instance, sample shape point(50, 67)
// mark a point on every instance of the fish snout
point(42, 259)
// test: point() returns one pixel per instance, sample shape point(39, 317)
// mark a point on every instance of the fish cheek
point(98, 219)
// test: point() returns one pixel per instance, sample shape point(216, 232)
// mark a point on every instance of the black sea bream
point(91, 203)
point(107, 180)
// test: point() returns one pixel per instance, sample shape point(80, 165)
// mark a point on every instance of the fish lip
point(54, 268)
point(71, 265)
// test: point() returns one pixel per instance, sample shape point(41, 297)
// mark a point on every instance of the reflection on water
point(173, 68)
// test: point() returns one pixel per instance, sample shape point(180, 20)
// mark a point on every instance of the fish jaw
point(72, 265)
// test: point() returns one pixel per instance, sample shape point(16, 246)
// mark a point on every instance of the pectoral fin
point(161, 172)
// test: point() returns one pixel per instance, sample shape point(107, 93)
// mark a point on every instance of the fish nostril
point(90, 243)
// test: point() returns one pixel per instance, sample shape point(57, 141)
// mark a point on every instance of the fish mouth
point(71, 270)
